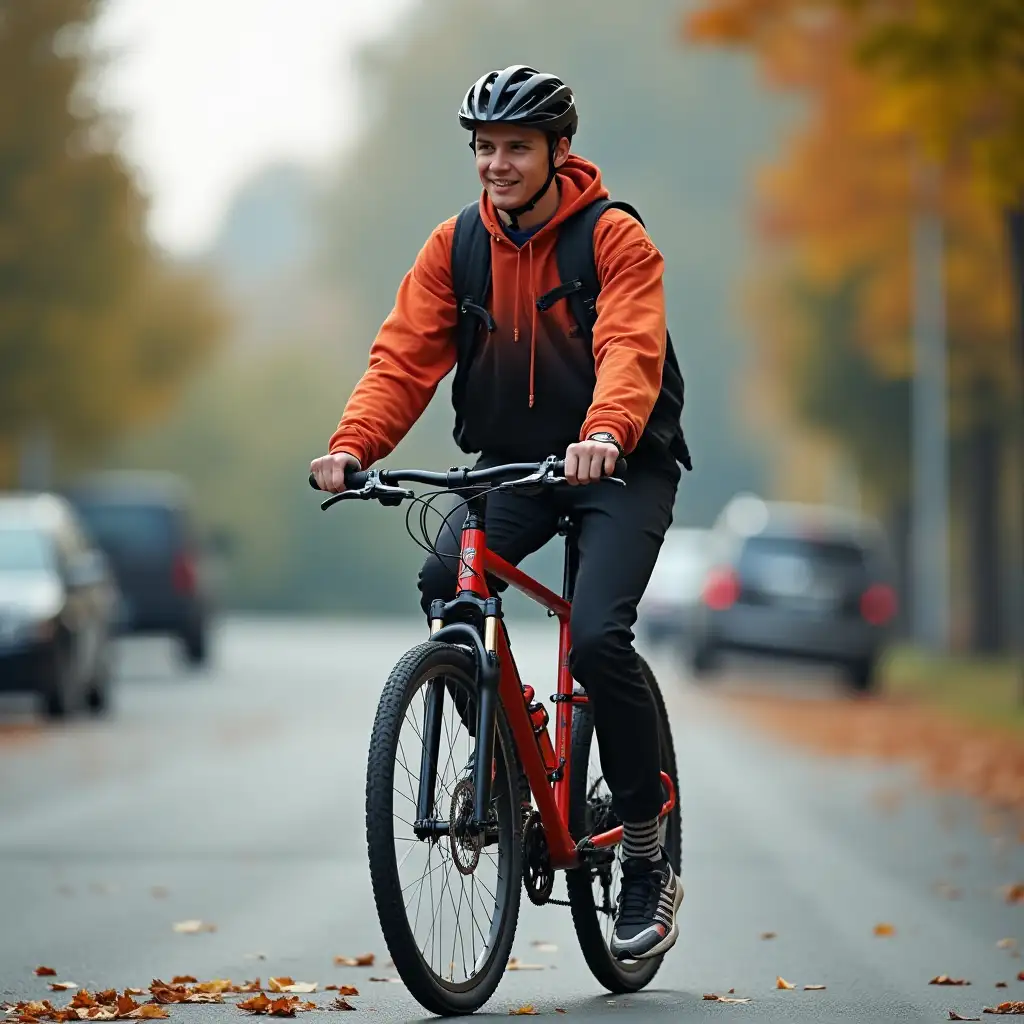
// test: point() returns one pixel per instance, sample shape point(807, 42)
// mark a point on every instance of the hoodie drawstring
point(533, 322)
point(533, 319)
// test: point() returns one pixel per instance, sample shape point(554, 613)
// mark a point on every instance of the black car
point(146, 525)
point(57, 605)
point(806, 582)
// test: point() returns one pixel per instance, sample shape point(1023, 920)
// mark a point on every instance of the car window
point(130, 530)
point(762, 556)
point(25, 550)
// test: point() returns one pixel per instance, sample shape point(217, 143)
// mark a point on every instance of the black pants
point(621, 530)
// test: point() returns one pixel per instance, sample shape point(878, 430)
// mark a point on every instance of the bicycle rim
point(448, 908)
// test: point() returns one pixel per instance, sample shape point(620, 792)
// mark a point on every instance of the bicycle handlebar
point(382, 483)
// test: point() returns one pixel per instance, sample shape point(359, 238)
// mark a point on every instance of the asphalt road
point(235, 796)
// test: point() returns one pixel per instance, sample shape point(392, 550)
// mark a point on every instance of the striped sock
point(641, 839)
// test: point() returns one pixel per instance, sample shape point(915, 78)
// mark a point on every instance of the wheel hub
point(465, 843)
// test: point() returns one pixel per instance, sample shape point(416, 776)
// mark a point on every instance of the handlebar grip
point(620, 467)
point(355, 479)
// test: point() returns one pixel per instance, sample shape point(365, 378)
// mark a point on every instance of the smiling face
point(513, 162)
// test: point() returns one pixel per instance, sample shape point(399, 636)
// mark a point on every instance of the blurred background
point(205, 212)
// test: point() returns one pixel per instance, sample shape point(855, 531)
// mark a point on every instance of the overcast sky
point(215, 88)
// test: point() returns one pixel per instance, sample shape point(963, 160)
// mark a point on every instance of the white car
point(665, 612)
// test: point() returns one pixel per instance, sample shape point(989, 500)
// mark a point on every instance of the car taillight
point(878, 604)
point(183, 575)
point(721, 589)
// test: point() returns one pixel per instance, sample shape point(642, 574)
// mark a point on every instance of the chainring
point(538, 874)
point(465, 846)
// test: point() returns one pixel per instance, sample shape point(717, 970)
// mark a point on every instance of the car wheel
point(97, 694)
point(703, 661)
point(195, 645)
point(862, 675)
point(56, 692)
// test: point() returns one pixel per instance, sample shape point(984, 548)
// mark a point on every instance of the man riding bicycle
point(537, 386)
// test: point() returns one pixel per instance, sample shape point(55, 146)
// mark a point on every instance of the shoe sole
point(665, 944)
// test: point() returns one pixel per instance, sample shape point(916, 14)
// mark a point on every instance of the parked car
point(57, 604)
point(666, 610)
point(146, 525)
point(797, 581)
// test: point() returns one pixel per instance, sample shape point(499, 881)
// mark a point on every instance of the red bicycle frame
point(552, 797)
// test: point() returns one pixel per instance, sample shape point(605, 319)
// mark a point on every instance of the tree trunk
point(983, 535)
point(1015, 223)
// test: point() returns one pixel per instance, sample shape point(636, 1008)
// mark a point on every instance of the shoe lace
point(638, 897)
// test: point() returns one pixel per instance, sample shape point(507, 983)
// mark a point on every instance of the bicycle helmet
point(522, 95)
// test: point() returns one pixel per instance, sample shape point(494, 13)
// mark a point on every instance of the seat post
point(569, 529)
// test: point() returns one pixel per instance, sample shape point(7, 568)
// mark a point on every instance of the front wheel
point(593, 889)
point(448, 904)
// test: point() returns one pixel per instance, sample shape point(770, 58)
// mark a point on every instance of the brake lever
point(384, 493)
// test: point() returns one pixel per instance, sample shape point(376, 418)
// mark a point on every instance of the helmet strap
point(515, 214)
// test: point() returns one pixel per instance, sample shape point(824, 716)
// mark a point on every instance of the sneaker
point(645, 922)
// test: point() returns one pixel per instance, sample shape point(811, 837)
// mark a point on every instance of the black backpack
point(574, 252)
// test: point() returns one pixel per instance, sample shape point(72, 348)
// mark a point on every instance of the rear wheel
point(593, 889)
point(195, 643)
point(447, 905)
point(57, 689)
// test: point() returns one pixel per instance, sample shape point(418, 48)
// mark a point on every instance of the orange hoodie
point(520, 374)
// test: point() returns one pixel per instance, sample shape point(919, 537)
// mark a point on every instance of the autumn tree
point(839, 206)
point(97, 330)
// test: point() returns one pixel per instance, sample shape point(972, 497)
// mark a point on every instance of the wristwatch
point(607, 438)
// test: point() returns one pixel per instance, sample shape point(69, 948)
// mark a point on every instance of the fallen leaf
point(814, 988)
point(782, 983)
point(193, 927)
point(394, 981)
point(341, 1004)
point(149, 1012)
point(215, 985)
point(945, 979)
point(768, 935)
point(1006, 944)
point(366, 960)
point(258, 1004)
point(515, 964)
point(1006, 1008)
point(348, 990)
point(1020, 975)
point(953, 1015)
point(45, 972)
point(544, 947)
point(108, 996)
point(125, 1005)
point(290, 985)
point(884, 929)
point(523, 1011)
point(1015, 893)
point(258, 956)
point(183, 979)
point(712, 997)
point(1001, 984)
point(62, 986)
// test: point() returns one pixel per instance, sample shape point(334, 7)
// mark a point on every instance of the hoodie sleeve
point(413, 351)
point(629, 335)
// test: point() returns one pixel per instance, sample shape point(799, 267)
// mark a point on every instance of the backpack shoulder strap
point(471, 272)
point(577, 268)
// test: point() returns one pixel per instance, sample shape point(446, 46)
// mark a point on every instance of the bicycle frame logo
point(468, 557)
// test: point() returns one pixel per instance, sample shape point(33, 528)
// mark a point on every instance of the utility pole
point(929, 421)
